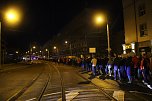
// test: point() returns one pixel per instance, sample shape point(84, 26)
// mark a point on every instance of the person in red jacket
point(135, 61)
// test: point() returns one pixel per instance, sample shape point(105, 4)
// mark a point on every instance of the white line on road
point(119, 95)
point(70, 96)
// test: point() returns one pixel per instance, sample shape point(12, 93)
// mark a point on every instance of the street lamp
point(100, 19)
point(16, 52)
point(66, 42)
point(11, 16)
point(56, 49)
point(48, 52)
point(31, 52)
point(34, 47)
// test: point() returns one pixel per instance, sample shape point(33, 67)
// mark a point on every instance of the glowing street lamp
point(11, 16)
point(100, 19)
point(54, 47)
point(48, 52)
point(16, 52)
point(66, 42)
point(34, 47)
point(31, 51)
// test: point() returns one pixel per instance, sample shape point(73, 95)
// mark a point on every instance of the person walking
point(144, 66)
point(109, 65)
point(116, 67)
point(129, 66)
point(94, 64)
point(135, 61)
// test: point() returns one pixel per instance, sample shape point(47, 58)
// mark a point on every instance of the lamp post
point(56, 50)
point(99, 19)
point(47, 53)
point(0, 48)
point(66, 42)
point(31, 52)
point(11, 16)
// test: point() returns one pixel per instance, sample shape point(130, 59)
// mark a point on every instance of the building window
point(141, 10)
point(143, 30)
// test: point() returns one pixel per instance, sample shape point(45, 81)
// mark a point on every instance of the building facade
point(138, 26)
point(82, 34)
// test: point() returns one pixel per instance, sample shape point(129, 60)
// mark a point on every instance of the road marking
point(119, 95)
point(54, 93)
point(140, 92)
point(31, 99)
point(70, 96)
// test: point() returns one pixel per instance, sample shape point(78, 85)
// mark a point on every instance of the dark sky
point(42, 19)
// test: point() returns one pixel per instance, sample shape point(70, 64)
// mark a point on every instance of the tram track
point(128, 92)
point(66, 93)
point(42, 93)
point(24, 89)
point(115, 85)
point(30, 85)
point(101, 89)
point(58, 91)
point(78, 91)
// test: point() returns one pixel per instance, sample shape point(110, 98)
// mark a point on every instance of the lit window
point(143, 30)
point(141, 10)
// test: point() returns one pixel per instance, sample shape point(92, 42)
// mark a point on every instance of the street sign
point(92, 50)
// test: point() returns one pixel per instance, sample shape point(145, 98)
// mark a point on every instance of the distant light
point(54, 47)
point(66, 42)
point(40, 51)
point(132, 45)
point(46, 49)
point(34, 47)
point(124, 48)
point(16, 52)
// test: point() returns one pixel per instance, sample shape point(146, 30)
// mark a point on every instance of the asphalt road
point(75, 85)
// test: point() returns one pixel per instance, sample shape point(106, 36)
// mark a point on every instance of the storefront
point(127, 48)
point(145, 47)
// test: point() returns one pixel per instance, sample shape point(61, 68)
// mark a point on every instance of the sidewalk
point(121, 84)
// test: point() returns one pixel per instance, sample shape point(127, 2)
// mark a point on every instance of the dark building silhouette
point(81, 34)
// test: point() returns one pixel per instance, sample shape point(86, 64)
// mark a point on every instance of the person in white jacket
point(94, 64)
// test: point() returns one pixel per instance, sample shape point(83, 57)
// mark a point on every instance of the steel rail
point(46, 85)
point(25, 88)
point(100, 89)
point(48, 81)
point(139, 97)
point(61, 82)
point(44, 89)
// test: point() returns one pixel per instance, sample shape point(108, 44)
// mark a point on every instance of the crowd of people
point(123, 67)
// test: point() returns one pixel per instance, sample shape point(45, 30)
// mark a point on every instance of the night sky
point(42, 19)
